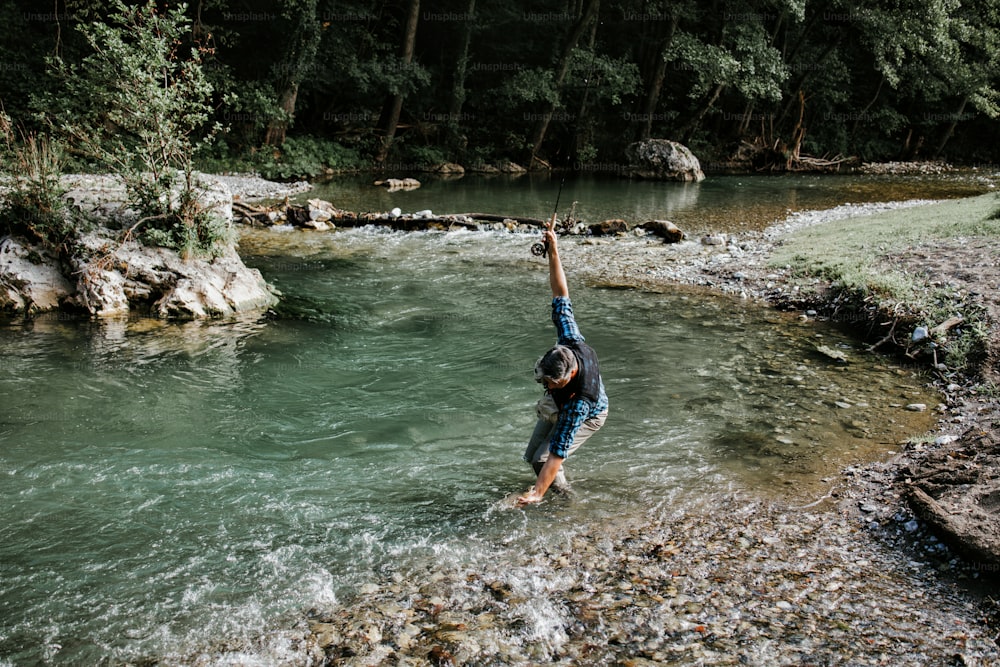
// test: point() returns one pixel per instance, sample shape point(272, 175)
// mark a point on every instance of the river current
point(173, 487)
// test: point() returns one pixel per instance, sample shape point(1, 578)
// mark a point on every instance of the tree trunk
point(278, 127)
point(394, 105)
point(584, 131)
point(299, 58)
point(801, 81)
point(198, 28)
point(461, 69)
point(864, 112)
point(798, 134)
point(655, 84)
point(693, 124)
point(562, 68)
point(951, 127)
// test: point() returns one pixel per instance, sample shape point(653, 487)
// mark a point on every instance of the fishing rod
point(541, 248)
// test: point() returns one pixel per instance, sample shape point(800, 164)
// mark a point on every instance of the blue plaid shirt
point(578, 410)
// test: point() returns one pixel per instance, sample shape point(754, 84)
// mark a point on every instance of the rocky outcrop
point(128, 277)
point(608, 228)
point(394, 184)
point(109, 277)
point(662, 160)
point(30, 278)
point(665, 229)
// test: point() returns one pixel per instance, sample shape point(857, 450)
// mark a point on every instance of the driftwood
point(489, 217)
point(321, 214)
point(943, 328)
point(967, 526)
point(256, 214)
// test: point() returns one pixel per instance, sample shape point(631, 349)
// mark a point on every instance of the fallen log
point(320, 214)
point(256, 214)
point(968, 527)
point(489, 217)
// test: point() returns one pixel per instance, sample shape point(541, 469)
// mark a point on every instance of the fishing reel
point(539, 249)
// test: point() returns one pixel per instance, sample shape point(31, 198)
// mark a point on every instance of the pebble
point(737, 582)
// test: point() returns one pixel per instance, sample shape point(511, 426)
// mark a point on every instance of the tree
point(394, 105)
point(562, 65)
point(139, 106)
point(461, 71)
point(297, 61)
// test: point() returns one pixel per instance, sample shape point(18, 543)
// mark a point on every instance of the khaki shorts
point(548, 414)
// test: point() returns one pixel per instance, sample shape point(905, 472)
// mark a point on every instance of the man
point(575, 405)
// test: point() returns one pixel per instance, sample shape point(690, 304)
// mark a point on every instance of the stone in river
point(827, 351)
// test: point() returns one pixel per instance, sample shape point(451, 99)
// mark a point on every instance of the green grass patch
point(852, 251)
point(856, 254)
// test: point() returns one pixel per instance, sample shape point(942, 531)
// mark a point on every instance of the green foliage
point(988, 389)
point(304, 157)
point(851, 254)
point(139, 106)
point(32, 206)
point(424, 156)
point(881, 80)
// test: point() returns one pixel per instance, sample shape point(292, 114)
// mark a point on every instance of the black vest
point(586, 383)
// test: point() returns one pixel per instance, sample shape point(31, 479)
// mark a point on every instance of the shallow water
point(173, 487)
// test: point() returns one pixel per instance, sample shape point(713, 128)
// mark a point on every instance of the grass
point(852, 251)
point(855, 256)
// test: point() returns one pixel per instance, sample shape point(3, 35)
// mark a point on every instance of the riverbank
point(915, 279)
point(855, 576)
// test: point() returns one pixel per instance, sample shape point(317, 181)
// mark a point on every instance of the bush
point(140, 110)
point(424, 156)
point(305, 157)
point(33, 206)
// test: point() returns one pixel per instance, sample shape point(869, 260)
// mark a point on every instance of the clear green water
point(170, 488)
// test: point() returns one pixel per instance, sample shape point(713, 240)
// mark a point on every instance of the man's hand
point(528, 498)
point(545, 476)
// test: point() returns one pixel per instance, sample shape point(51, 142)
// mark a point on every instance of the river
point(171, 488)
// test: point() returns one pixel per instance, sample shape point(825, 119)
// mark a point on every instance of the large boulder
point(662, 160)
point(30, 278)
point(130, 276)
point(113, 277)
point(666, 230)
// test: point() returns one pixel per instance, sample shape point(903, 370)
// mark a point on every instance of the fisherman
point(575, 405)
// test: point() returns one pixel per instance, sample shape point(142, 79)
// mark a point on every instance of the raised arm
point(557, 278)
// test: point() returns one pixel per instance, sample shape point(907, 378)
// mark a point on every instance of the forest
point(294, 88)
